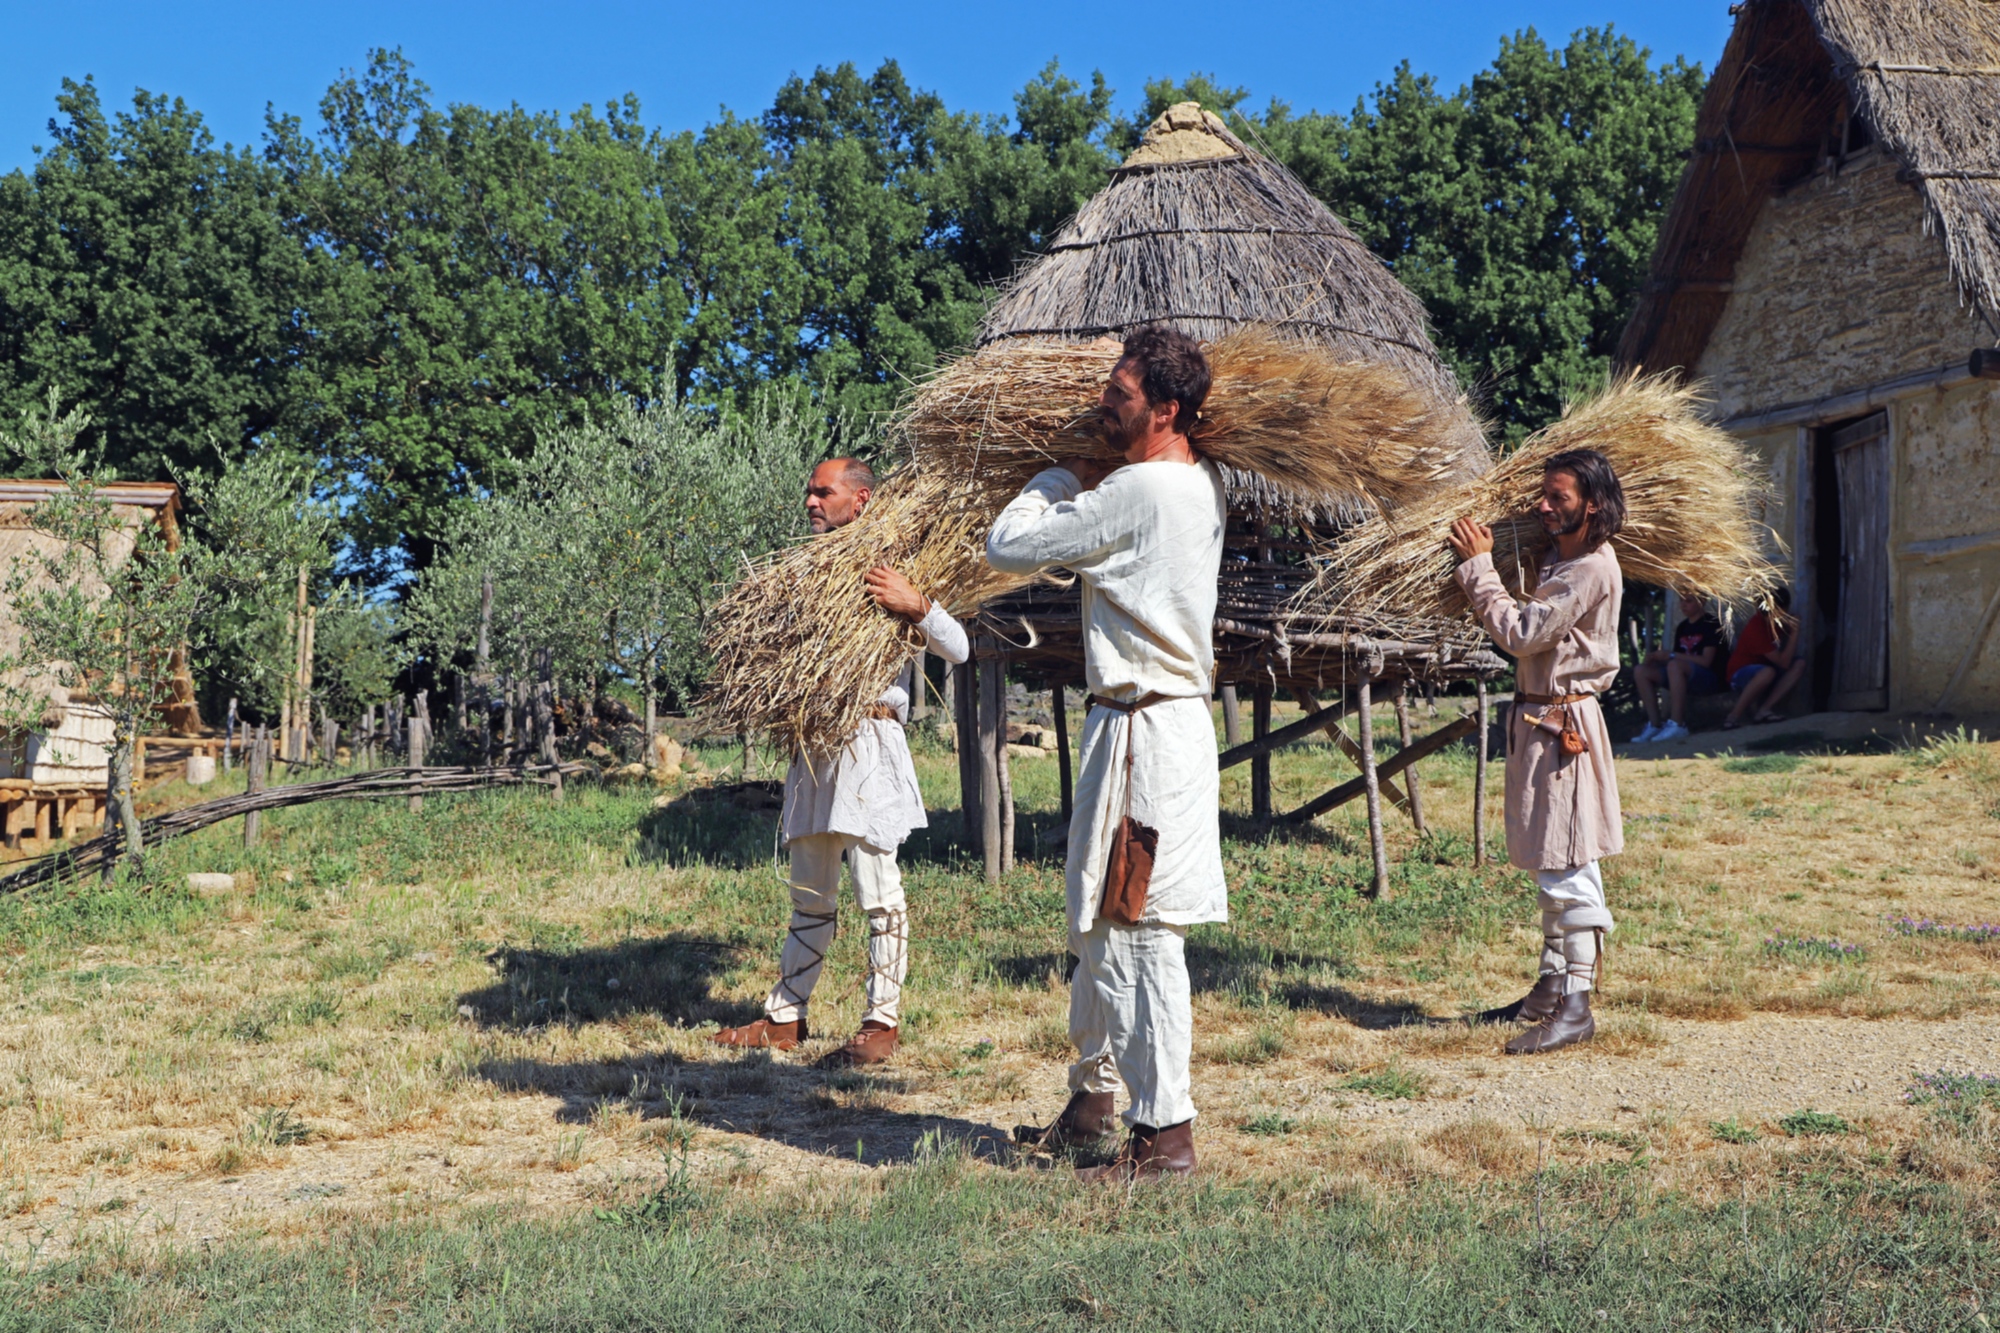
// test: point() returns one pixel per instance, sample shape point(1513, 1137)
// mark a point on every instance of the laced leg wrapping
point(888, 964)
point(1581, 952)
point(800, 965)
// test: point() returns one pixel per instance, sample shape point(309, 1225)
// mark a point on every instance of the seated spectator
point(1765, 664)
point(1692, 666)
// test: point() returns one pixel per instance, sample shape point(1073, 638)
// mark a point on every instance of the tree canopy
point(412, 295)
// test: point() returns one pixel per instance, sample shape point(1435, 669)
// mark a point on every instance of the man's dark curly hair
point(1171, 365)
point(1596, 483)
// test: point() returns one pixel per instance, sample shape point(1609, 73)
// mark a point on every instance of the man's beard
point(1566, 529)
point(1117, 434)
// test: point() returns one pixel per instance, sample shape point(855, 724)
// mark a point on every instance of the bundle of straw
point(1692, 496)
point(1320, 430)
point(800, 650)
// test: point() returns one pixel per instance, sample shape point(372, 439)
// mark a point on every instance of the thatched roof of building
point(1798, 80)
point(1200, 231)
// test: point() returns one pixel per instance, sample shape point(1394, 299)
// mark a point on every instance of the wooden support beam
point(1232, 717)
point(1479, 783)
point(1416, 802)
point(1354, 787)
point(965, 737)
point(989, 737)
point(1371, 782)
point(1059, 709)
point(1260, 759)
point(1264, 742)
point(1345, 744)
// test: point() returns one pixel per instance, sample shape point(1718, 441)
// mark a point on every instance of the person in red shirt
point(1766, 663)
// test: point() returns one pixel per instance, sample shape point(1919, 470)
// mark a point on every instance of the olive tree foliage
point(104, 608)
point(617, 539)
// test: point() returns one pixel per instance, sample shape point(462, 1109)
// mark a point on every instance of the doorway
point(1851, 501)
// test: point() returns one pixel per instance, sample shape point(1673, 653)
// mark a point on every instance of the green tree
point(150, 273)
point(1522, 210)
point(493, 272)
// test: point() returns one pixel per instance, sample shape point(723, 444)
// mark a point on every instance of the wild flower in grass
point(1810, 948)
point(1979, 933)
point(1954, 1096)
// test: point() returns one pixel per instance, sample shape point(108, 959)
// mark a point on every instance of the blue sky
point(686, 60)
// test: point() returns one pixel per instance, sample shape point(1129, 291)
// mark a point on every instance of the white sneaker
point(1672, 731)
point(1648, 733)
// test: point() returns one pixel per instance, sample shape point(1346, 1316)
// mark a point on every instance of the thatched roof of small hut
point(1198, 230)
point(1923, 76)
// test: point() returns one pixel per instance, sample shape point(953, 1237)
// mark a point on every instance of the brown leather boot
point(1148, 1154)
point(1085, 1125)
point(872, 1045)
point(763, 1032)
point(1533, 1007)
point(1569, 1024)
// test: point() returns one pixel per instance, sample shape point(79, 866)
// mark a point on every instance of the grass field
point(452, 1069)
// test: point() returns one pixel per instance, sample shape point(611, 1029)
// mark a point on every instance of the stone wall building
point(1830, 267)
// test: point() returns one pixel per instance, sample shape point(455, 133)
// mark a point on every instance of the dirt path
point(539, 1153)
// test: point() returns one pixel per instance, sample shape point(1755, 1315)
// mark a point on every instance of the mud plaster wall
point(1839, 288)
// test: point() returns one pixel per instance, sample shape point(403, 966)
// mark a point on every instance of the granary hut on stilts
point(1831, 268)
point(1198, 230)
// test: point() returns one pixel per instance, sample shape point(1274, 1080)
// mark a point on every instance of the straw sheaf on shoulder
point(1694, 498)
point(1323, 430)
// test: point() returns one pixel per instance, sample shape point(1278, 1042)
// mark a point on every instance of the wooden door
point(1861, 638)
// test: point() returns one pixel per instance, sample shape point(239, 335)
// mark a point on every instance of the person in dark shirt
point(1766, 663)
point(1692, 666)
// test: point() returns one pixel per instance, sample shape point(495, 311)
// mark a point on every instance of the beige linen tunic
point(1562, 810)
point(1147, 545)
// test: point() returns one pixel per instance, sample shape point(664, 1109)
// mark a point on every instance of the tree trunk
point(545, 717)
point(417, 746)
point(1232, 717)
point(118, 799)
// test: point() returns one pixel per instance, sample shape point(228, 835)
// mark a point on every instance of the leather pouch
point(1129, 870)
point(1572, 739)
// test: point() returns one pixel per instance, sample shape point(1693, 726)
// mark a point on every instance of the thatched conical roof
point(1924, 74)
point(1200, 231)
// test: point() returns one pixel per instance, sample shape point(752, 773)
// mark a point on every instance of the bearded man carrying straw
point(1562, 791)
point(858, 805)
point(1145, 850)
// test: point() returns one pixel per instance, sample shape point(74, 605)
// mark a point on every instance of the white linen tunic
point(1147, 544)
point(869, 790)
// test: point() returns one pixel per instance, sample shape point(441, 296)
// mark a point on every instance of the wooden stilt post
point(1260, 767)
point(1479, 784)
point(965, 739)
point(1410, 785)
point(1232, 717)
point(1366, 703)
point(1059, 709)
point(985, 743)
point(1004, 772)
point(260, 768)
point(920, 695)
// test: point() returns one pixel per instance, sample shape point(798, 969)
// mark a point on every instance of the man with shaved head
point(857, 805)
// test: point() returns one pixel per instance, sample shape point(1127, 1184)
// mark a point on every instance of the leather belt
point(1120, 706)
point(1523, 697)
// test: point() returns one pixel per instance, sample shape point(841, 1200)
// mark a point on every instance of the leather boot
point(1085, 1125)
point(1569, 1024)
point(763, 1032)
point(872, 1045)
point(1533, 1007)
point(1148, 1154)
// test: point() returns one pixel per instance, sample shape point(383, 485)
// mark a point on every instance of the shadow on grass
point(782, 1099)
point(672, 976)
point(729, 826)
point(1362, 1012)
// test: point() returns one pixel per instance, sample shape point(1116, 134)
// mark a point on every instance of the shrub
point(1800, 1124)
